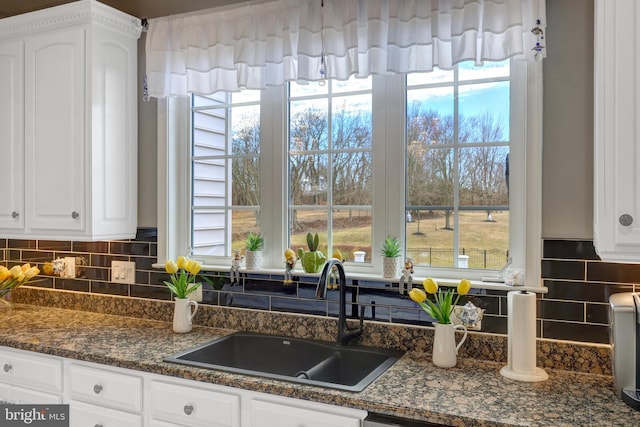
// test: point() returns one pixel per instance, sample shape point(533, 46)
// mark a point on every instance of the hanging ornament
point(539, 47)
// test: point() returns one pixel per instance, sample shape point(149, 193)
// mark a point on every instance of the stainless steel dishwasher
point(378, 420)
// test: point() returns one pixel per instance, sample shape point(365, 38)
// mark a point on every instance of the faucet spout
point(345, 334)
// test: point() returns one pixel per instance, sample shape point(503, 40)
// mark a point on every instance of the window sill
point(476, 284)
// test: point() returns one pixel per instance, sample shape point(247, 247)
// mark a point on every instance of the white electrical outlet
point(123, 272)
point(196, 295)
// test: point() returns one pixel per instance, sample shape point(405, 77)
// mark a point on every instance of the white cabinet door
point(26, 396)
point(54, 130)
point(85, 415)
point(268, 414)
point(68, 123)
point(12, 135)
point(617, 144)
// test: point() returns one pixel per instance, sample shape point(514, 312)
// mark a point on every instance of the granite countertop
point(471, 394)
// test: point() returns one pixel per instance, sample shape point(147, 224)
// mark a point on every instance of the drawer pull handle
point(75, 215)
point(98, 425)
point(7, 367)
point(188, 409)
point(14, 214)
point(97, 388)
point(626, 220)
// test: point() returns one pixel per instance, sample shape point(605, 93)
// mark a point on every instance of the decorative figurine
point(406, 281)
point(236, 264)
point(290, 264)
point(334, 276)
point(469, 315)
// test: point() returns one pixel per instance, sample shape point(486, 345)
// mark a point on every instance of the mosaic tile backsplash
point(575, 308)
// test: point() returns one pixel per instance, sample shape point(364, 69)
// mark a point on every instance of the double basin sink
point(325, 364)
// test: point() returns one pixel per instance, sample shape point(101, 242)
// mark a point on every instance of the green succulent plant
point(391, 247)
point(312, 260)
point(254, 242)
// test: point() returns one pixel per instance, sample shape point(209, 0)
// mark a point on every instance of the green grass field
point(428, 242)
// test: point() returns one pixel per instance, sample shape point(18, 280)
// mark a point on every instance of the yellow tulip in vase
point(13, 278)
point(445, 350)
point(183, 282)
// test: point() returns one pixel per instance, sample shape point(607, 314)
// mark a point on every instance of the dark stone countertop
point(471, 394)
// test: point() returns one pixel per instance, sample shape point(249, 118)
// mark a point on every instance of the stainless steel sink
point(312, 362)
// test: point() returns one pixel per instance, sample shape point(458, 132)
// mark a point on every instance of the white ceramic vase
point(183, 314)
point(445, 350)
point(390, 267)
point(253, 260)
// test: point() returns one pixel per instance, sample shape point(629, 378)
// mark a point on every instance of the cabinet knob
point(626, 220)
point(188, 409)
point(14, 214)
point(97, 388)
point(75, 215)
point(7, 367)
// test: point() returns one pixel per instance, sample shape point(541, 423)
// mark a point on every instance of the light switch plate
point(123, 272)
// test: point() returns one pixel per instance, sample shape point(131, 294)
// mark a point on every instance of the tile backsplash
point(575, 308)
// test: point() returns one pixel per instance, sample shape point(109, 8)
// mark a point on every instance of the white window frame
point(389, 188)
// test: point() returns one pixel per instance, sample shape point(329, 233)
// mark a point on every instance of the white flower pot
point(183, 314)
point(390, 267)
point(445, 349)
point(253, 260)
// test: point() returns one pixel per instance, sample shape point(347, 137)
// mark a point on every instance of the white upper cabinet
point(617, 135)
point(12, 134)
point(73, 109)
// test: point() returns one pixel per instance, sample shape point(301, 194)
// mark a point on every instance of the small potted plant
point(391, 251)
point(253, 251)
point(312, 260)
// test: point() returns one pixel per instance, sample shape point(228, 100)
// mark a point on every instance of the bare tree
point(246, 168)
point(436, 161)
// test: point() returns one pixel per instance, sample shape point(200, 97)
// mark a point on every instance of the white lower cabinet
point(25, 395)
point(106, 396)
point(103, 396)
point(265, 412)
point(27, 377)
point(85, 415)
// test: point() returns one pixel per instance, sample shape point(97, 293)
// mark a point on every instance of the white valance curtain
point(255, 45)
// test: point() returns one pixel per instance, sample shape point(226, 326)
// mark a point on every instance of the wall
point(579, 283)
point(567, 183)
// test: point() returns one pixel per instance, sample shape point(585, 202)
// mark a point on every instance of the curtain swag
point(256, 45)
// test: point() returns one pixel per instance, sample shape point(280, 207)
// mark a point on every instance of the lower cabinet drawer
point(269, 414)
point(193, 406)
point(21, 367)
point(105, 387)
point(85, 415)
point(26, 396)
point(156, 423)
point(5, 393)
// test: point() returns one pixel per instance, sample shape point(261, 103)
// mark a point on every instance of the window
point(330, 165)
point(225, 135)
point(457, 204)
point(355, 161)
